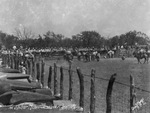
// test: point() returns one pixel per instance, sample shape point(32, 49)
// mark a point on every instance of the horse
point(87, 56)
point(68, 57)
point(98, 55)
point(79, 55)
point(110, 54)
point(93, 55)
point(141, 55)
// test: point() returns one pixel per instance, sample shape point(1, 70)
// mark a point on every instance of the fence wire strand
point(105, 79)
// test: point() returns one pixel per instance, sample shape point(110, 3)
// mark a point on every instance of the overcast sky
point(69, 17)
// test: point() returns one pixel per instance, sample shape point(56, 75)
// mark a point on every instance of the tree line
point(84, 39)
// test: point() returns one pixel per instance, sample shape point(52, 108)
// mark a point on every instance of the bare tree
point(24, 33)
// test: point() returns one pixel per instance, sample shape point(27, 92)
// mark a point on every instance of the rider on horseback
point(68, 56)
point(140, 54)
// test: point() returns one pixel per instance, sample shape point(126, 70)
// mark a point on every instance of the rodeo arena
point(64, 80)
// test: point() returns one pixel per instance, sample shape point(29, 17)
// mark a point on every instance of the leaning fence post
point(29, 66)
point(70, 82)
point(109, 93)
point(81, 80)
point(55, 80)
point(50, 77)
point(131, 92)
point(42, 72)
point(38, 71)
point(92, 104)
point(61, 82)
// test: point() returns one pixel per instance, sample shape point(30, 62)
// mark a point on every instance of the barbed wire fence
point(123, 101)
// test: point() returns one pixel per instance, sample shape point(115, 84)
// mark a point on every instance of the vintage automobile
point(15, 89)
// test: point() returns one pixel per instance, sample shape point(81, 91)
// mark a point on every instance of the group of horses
point(96, 55)
point(88, 56)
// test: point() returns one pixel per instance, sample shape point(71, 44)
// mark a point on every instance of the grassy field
point(104, 69)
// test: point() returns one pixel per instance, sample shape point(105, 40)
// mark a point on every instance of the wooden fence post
point(61, 82)
point(109, 93)
point(31, 66)
point(8, 59)
point(3, 59)
point(14, 61)
point(50, 77)
point(33, 69)
point(38, 71)
point(26, 65)
point(92, 103)
point(42, 72)
point(55, 80)
point(81, 80)
point(17, 61)
point(131, 92)
point(11, 59)
point(70, 82)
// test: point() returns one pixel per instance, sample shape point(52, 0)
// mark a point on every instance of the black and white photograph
point(74, 56)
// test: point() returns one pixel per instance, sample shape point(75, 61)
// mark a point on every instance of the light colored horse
point(68, 57)
point(110, 54)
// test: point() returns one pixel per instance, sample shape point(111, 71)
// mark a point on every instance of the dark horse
point(141, 55)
